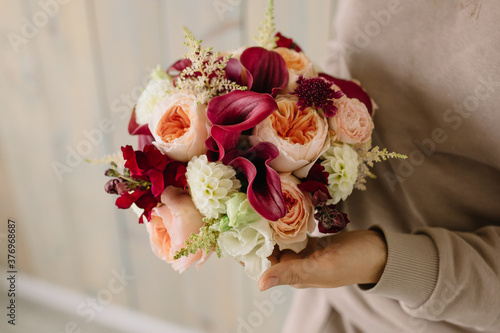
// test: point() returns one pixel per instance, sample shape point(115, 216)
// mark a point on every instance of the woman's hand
point(352, 257)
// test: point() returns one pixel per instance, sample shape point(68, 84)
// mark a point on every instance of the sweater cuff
point(411, 271)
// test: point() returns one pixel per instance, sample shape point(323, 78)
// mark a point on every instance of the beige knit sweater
point(433, 67)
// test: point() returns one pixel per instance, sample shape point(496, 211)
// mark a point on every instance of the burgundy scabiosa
point(330, 220)
point(317, 93)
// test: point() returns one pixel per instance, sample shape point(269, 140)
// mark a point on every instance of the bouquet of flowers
point(243, 152)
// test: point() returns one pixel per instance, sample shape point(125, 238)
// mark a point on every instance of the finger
point(298, 273)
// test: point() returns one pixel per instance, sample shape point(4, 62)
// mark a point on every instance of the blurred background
point(71, 73)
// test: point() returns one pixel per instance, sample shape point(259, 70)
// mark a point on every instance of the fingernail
point(268, 283)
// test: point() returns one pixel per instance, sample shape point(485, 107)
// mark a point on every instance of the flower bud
point(116, 186)
point(111, 173)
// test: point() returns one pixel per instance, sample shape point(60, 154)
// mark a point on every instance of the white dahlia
point(211, 184)
point(159, 86)
point(341, 162)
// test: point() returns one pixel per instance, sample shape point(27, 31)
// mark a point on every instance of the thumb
point(296, 272)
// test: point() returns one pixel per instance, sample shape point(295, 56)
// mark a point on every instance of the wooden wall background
point(83, 62)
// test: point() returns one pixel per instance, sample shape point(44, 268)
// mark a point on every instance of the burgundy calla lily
point(233, 113)
point(178, 67)
point(237, 73)
point(351, 90)
point(267, 69)
point(264, 184)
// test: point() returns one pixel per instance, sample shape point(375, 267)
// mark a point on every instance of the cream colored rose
point(301, 136)
point(180, 127)
point(290, 232)
point(171, 225)
point(352, 123)
point(298, 64)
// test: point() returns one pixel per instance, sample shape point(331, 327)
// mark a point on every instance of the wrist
point(377, 257)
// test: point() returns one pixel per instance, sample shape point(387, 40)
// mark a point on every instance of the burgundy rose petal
point(264, 185)
point(286, 42)
point(267, 68)
point(351, 90)
point(232, 114)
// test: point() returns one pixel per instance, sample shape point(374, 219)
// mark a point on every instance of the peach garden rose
point(352, 123)
point(298, 64)
point(171, 224)
point(301, 136)
point(180, 127)
point(290, 232)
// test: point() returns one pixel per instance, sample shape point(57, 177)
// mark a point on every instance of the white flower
point(157, 89)
point(211, 184)
point(341, 162)
point(251, 244)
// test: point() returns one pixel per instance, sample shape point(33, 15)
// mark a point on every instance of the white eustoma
point(211, 184)
point(250, 244)
point(240, 211)
point(341, 162)
point(158, 87)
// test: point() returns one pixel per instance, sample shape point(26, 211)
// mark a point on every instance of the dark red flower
point(264, 184)
point(266, 70)
point(330, 220)
point(233, 113)
point(147, 173)
point(316, 183)
point(316, 93)
point(286, 42)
